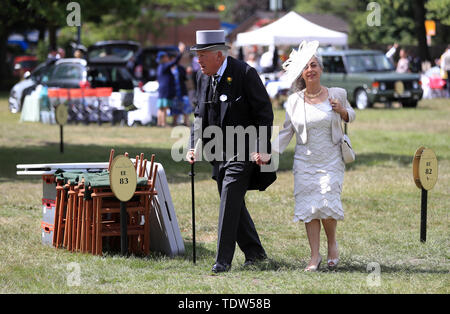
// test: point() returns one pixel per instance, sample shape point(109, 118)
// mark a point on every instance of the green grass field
point(379, 238)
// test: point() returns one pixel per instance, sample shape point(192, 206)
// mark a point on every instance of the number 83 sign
point(123, 178)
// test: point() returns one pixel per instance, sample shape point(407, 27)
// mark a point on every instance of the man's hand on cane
point(190, 156)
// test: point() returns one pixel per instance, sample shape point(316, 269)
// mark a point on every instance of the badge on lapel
point(229, 80)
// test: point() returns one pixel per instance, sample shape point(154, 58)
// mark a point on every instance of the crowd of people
point(435, 77)
point(172, 91)
point(174, 95)
point(172, 77)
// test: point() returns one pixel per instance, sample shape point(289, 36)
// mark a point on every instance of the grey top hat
point(209, 39)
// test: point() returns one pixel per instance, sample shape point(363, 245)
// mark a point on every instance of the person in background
point(445, 68)
point(253, 62)
point(61, 53)
point(53, 55)
point(391, 52)
point(181, 104)
point(266, 62)
point(166, 81)
point(193, 70)
point(78, 54)
point(403, 62)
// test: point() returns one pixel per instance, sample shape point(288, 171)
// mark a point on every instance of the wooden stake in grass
point(61, 115)
point(425, 170)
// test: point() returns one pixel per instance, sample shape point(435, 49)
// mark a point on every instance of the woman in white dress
point(314, 114)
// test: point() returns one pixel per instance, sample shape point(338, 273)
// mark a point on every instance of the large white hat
point(298, 59)
point(208, 39)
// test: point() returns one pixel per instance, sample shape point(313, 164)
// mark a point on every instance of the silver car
point(27, 85)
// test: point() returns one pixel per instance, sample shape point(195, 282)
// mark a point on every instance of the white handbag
point(348, 154)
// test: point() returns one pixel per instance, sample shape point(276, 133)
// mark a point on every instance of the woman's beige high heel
point(314, 268)
point(332, 263)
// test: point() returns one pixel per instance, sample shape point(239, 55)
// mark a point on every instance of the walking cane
point(192, 174)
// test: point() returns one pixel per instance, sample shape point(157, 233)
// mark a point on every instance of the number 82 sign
point(425, 168)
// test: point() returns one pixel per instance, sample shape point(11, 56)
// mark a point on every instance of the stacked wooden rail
point(87, 214)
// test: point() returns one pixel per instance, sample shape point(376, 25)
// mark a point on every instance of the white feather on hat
point(298, 59)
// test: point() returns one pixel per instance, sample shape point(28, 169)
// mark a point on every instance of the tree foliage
point(397, 19)
point(101, 20)
point(439, 10)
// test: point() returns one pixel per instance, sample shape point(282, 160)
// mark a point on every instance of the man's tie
point(214, 108)
point(214, 82)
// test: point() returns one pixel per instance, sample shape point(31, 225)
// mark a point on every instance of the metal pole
point(423, 216)
point(61, 143)
point(79, 35)
point(192, 174)
point(123, 228)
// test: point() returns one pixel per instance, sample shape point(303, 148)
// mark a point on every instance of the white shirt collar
point(222, 69)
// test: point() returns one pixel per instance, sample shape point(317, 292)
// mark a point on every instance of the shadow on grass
point(350, 266)
point(177, 172)
point(356, 267)
point(372, 159)
point(49, 153)
point(280, 265)
point(201, 252)
point(365, 159)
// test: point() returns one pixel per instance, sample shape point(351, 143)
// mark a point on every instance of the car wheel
point(362, 99)
point(409, 104)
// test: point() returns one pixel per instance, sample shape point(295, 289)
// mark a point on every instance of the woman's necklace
point(313, 95)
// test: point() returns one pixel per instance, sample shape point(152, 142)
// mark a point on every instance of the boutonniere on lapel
point(223, 98)
point(229, 80)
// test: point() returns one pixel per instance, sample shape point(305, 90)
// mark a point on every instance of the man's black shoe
point(254, 260)
point(220, 268)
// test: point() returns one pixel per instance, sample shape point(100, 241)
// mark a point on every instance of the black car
point(146, 65)
point(123, 50)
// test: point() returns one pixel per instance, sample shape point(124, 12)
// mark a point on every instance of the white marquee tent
point(291, 29)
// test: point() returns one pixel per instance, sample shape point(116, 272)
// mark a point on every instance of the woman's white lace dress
point(318, 169)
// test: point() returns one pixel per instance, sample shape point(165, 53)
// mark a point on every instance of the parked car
point(124, 50)
point(70, 72)
point(109, 72)
point(27, 85)
point(67, 73)
point(23, 64)
point(146, 65)
point(369, 77)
